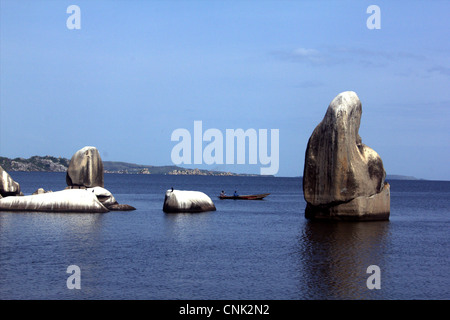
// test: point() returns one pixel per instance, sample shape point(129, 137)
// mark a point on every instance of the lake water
point(264, 250)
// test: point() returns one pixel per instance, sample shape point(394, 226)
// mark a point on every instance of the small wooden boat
point(246, 197)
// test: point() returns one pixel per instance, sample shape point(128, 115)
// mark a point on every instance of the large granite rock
point(90, 200)
point(85, 192)
point(81, 201)
point(8, 187)
point(177, 201)
point(343, 178)
point(85, 169)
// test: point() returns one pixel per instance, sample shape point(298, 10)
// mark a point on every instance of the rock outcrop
point(85, 169)
point(8, 187)
point(80, 201)
point(85, 192)
point(108, 200)
point(103, 195)
point(90, 200)
point(343, 178)
point(178, 201)
point(121, 207)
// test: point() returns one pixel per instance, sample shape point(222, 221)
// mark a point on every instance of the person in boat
point(222, 194)
point(235, 194)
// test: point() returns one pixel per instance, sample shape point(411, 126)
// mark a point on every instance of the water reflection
point(86, 223)
point(48, 243)
point(334, 256)
point(184, 225)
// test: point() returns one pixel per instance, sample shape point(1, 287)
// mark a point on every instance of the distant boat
point(246, 197)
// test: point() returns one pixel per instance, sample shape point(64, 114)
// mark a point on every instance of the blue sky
point(138, 70)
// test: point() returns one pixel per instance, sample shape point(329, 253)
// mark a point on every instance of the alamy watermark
point(374, 280)
point(74, 20)
point(374, 20)
point(74, 280)
point(213, 153)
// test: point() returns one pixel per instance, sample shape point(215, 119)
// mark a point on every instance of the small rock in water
point(41, 191)
point(121, 207)
point(177, 201)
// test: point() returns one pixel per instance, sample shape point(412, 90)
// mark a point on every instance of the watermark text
point(234, 147)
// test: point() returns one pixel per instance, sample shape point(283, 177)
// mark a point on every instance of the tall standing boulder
point(343, 178)
point(8, 187)
point(85, 169)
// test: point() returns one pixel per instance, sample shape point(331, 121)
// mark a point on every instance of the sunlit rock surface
point(85, 169)
point(187, 201)
point(75, 200)
point(8, 187)
point(108, 200)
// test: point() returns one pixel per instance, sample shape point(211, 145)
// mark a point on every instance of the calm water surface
point(245, 250)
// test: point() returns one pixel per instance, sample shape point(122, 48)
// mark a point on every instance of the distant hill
point(132, 168)
point(399, 177)
point(53, 164)
point(36, 163)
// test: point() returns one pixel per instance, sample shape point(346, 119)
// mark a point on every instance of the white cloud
point(329, 56)
point(308, 55)
point(304, 52)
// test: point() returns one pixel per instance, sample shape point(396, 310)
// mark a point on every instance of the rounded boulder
point(177, 201)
